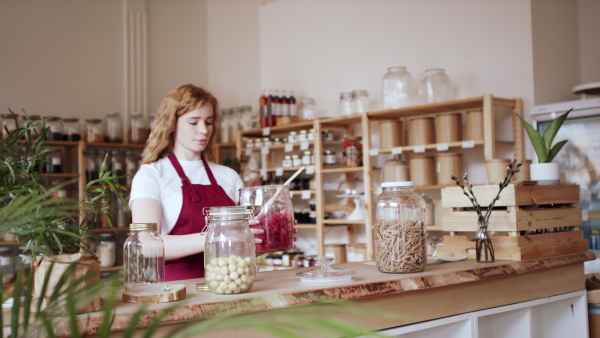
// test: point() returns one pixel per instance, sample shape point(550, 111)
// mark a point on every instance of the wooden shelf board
point(451, 145)
point(434, 228)
point(112, 268)
point(278, 129)
point(332, 122)
point(341, 170)
point(8, 243)
point(441, 107)
point(305, 226)
point(62, 143)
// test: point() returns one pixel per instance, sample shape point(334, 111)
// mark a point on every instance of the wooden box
point(521, 211)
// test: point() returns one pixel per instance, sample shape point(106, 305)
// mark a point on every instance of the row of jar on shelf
point(110, 129)
point(122, 163)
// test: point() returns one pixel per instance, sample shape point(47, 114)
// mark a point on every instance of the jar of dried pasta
point(400, 229)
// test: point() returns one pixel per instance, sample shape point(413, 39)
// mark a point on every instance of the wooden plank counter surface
point(441, 290)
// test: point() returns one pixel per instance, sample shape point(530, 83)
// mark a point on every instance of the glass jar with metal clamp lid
point(143, 259)
point(229, 254)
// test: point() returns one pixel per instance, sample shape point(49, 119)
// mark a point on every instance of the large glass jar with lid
point(399, 229)
point(435, 86)
point(55, 129)
point(307, 109)
point(93, 131)
point(397, 88)
point(138, 128)
point(71, 129)
point(114, 127)
point(229, 256)
point(360, 102)
point(345, 104)
point(143, 259)
point(106, 249)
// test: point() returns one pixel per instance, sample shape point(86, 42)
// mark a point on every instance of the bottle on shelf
point(292, 107)
point(271, 117)
point(285, 108)
point(278, 108)
point(137, 132)
point(71, 129)
point(262, 103)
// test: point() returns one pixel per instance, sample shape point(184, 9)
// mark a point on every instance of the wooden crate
point(521, 210)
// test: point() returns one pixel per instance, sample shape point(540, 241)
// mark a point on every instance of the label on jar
point(306, 159)
point(288, 147)
point(279, 171)
point(302, 138)
point(304, 145)
point(292, 138)
point(296, 162)
point(266, 131)
point(310, 136)
point(287, 163)
point(329, 159)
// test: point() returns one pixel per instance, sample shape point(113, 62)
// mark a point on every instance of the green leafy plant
point(543, 144)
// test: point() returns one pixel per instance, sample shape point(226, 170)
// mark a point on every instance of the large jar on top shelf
point(435, 86)
point(397, 88)
point(399, 229)
point(138, 128)
point(114, 127)
point(143, 259)
point(229, 256)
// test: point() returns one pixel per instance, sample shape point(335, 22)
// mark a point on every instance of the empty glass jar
point(399, 229)
point(435, 86)
point(71, 129)
point(229, 256)
point(143, 259)
point(397, 88)
point(114, 127)
point(106, 249)
point(307, 109)
point(360, 101)
point(345, 105)
point(55, 129)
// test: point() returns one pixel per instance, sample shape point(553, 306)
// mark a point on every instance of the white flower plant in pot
point(546, 172)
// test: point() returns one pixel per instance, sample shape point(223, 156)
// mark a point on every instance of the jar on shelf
point(307, 109)
point(296, 161)
point(91, 166)
point(106, 249)
point(495, 170)
point(310, 135)
point(8, 122)
point(448, 127)
point(345, 105)
point(234, 123)
point(273, 209)
point(360, 102)
point(71, 129)
point(435, 86)
point(474, 125)
point(395, 170)
point(258, 143)
point(399, 229)
point(327, 135)
point(397, 88)
point(422, 169)
point(249, 143)
point(143, 259)
point(229, 256)
point(302, 136)
point(54, 164)
point(287, 161)
point(138, 129)
point(117, 164)
point(391, 134)
point(448, 165)
point(422, 131)
point(267, 142)
point(55, 129)
point(329, 158)
point(131, 165)
point(352, 153)
point(93, 131)
point(292, 137)
point(224, 129)
point(7, 264)
point(246, 117)
point(307, 158)
point(114, 127)
point(277, 141)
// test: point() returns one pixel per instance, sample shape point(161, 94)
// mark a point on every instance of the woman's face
point(192, 133)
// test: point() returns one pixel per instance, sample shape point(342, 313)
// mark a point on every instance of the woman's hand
point(254, 182)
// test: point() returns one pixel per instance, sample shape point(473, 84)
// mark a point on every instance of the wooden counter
point(440, 291)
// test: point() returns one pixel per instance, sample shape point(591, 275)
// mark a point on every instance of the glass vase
point(484, 248)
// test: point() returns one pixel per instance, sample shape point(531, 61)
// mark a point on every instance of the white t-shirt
point(160, 181)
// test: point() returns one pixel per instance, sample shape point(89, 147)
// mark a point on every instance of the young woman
point(177, 180)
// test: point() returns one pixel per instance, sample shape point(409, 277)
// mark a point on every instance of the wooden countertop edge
point(432, 277)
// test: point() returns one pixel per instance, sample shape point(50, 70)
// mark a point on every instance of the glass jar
point(117, 164)
point(311, 134)
point(302, 136)
point(327, 135)
point(352, 153)
point(8, 122)
point(224, 126)
point(435, 86)
point(71, 129)
point(360, 102)
point(250, 143)
point(345, 105)
point(329, 158)
point(114, 127)
point(267, 142)
point(296, 161)
point(397, 88)
point(54, 164)
point(307, 109)
point(273, 209)
point(307, 158)
point(138, 128)
point(143, 259)
point(131, 165)
point(234, 123)
point(292, 137)
point(246, 117)
point(91, 166)
point(229, 256)
point(106, 249)
point(287, 161)
point(399, 229)
point(7, 264)
point(55, 129)
point(93, 131)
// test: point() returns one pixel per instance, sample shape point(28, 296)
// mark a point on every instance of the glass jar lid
point(142, 226)
point(302, 131)
point(231, 213)
point(397, 184)
point(325, 274)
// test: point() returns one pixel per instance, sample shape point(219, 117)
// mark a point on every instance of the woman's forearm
point(177, 246)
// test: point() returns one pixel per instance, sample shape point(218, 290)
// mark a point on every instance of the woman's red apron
point(191, 220)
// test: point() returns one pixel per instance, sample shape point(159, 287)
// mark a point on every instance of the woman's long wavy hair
point(177, 103)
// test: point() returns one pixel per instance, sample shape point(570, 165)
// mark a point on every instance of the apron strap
point(211, 177)
point(184, 179)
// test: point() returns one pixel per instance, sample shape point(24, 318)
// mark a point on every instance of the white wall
point(61, 57)
point(321, 48)
point(589, 48)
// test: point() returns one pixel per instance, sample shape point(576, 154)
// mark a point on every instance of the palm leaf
point(537, 140)
point(552, 130)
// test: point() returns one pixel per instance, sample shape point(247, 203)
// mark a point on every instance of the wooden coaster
point(175, 292)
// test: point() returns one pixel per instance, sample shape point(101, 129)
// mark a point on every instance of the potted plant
point(51, 227)
point(544, 171)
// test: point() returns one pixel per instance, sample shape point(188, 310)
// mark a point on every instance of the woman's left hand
point(254, 182)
